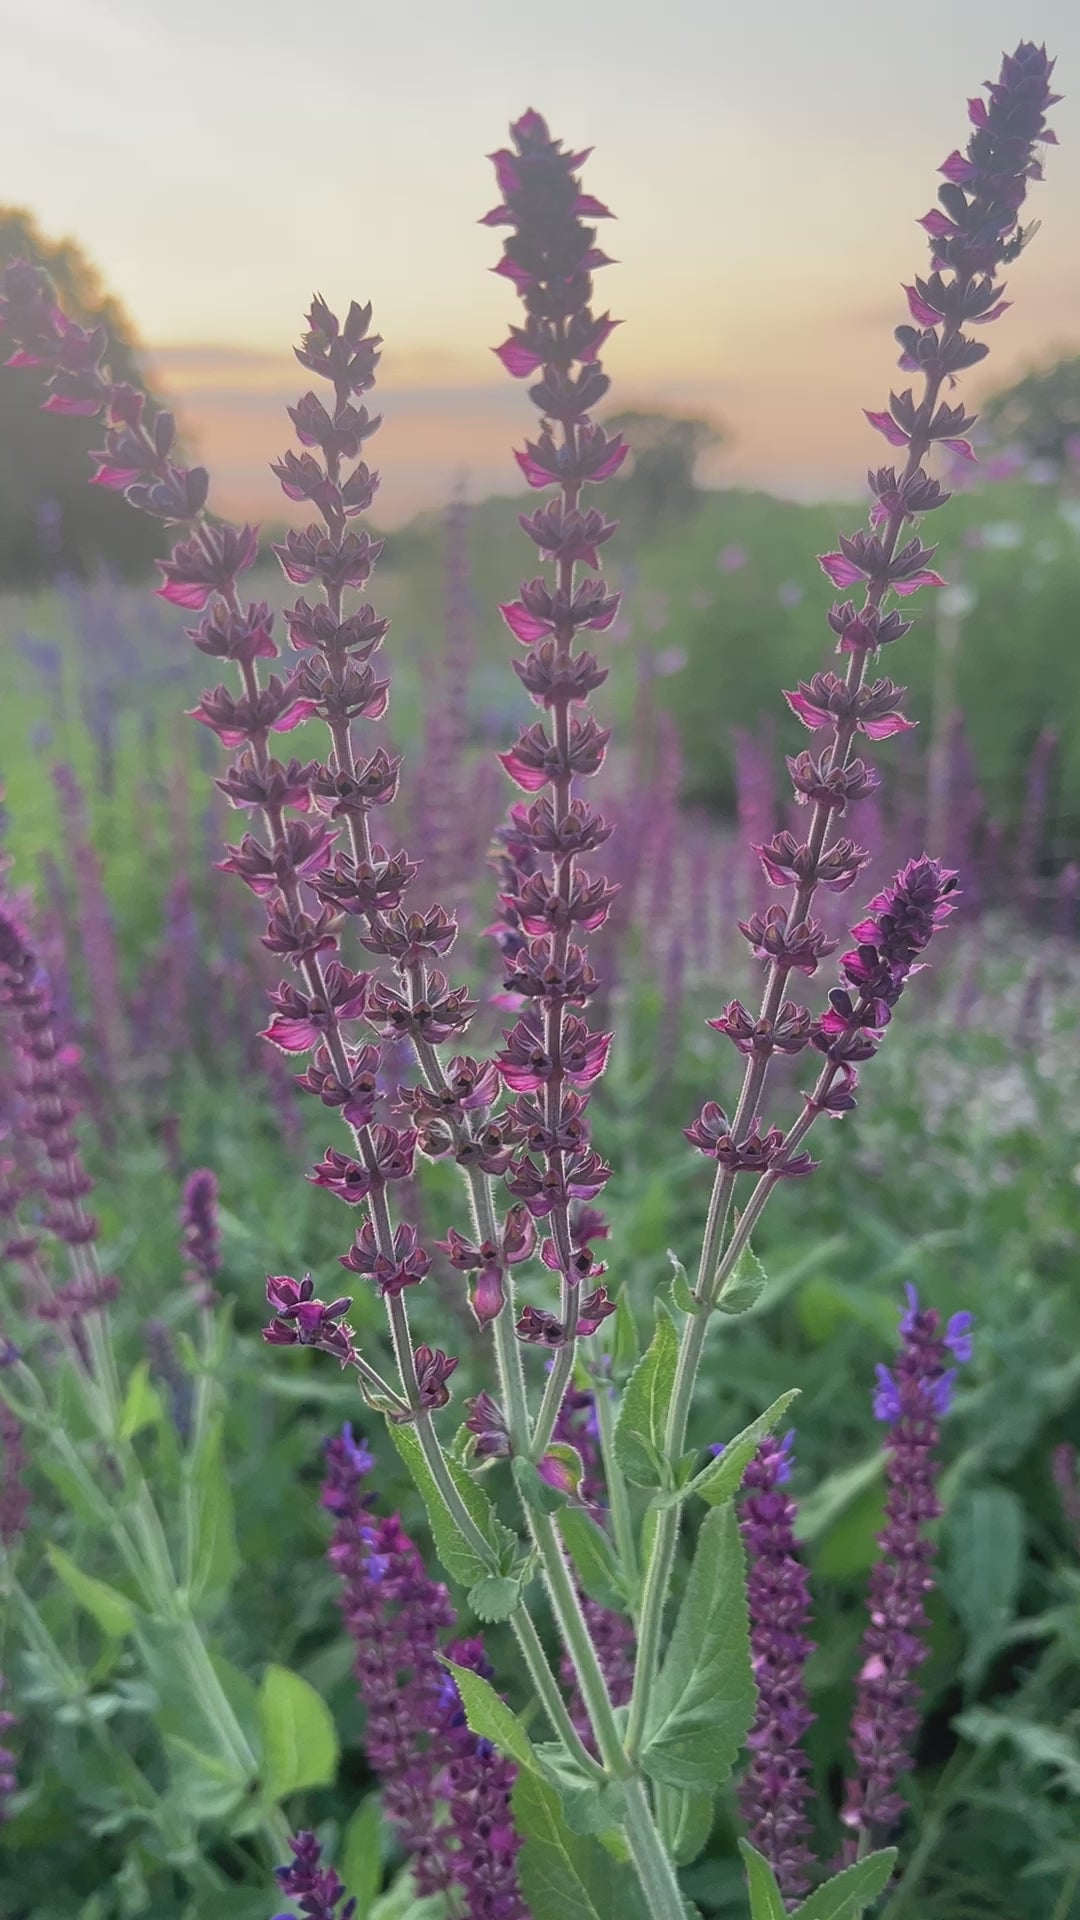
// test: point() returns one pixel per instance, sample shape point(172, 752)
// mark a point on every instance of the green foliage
point(299, 1740)
point(703, 1702)
point(639, 1429)
point(564, 1875)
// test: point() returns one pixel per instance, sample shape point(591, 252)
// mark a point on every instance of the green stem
point(659, 1880)
point(571, 1621)
point(622, 1520)
point(547, 1688)
point(557, 1382)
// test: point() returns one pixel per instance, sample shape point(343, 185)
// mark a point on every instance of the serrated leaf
point(142, 1403)
point(639, 1429)
point(722, 1478)
point(766, 1900)
point(565, 1875)
point(489, 1717)
point(495, 1598)
point(594, 1558)
point(361, 1855)
point(535, 1491)
point(848, 1894)
point(681, 1291)
point(461, 1560)
point(703, 1701)
point(744, 1285)
point(300, 1743)
point(111, 1609)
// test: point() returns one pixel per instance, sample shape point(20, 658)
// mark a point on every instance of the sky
point(220, 160)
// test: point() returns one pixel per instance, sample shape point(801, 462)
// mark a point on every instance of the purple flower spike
point(317, 1889)
point(911, 1398)
point(776, 1789)
point(200, 1239)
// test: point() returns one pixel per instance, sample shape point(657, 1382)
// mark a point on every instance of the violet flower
point(199, 1235)
point(549, 257)
point(973, 233)
point(776, 1789)
point(1065, 1469)
point(912, 1397)
point(416, 1737)
point(9, 1780)
point(318, 1890)
point(14, 1493)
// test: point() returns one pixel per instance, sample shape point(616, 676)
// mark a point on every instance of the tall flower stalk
point(973, 231)
point(314, 856)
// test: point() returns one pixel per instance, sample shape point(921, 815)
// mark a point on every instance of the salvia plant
point(574, 1475)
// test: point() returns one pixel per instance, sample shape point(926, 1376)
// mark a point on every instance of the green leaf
point(495, 1598)
point(986, 1540)
point(215, 1557)
point(489, 1717)
point(682, 1292)
point(722, 1478)
point(142, 1403)
point(833, 1495)
point(590, 1805)
point(300, 1743)
point(361, 1855)
point(565, 1875)
point(625, 1344)
point(766, 1900)
point(538, 1496)
point(703, 1701)
point(685, 1822)
point(111, 1609)
point(461, 1560)
point(848, 1894)
point(594, 1558)
point(744, 1285)
point(639, 1429)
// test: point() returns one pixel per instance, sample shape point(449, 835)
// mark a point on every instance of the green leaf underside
point(703, 1703)
point(111, 1609)
point(594, 1558)
point(639, 1430)
point(459, 1558)
point(565, 1875)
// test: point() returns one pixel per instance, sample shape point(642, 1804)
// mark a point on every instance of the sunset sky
point(221, 159)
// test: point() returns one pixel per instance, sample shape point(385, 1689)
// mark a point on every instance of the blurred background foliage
point(960, 1172)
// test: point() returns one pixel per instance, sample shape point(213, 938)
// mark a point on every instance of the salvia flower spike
point(912, 1398)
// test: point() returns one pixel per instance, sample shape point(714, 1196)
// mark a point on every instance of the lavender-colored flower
point(165, 1366)
point(9, 1781)
point(14, 1493)
point(911, 1398)
point(776, 1789)
point(317, 1889)
point(416, 1736)
point(549, 257)
point(199, 1236)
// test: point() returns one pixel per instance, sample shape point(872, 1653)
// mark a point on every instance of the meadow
point(215, 1622)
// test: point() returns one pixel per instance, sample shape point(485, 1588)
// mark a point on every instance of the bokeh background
point(190, 176)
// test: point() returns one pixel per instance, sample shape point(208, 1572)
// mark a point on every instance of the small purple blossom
point(199, 1235)
point(911, 1398)
point(776, 1789)
point(316, 1888)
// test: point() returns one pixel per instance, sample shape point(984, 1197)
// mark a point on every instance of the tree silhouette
point(51, 519)
point(1041, 412)
point(665, 450)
